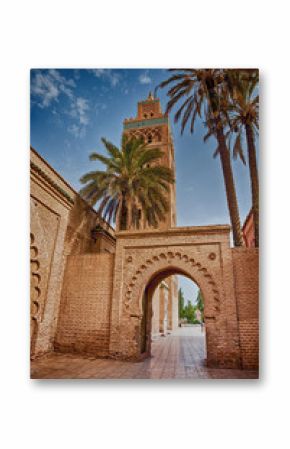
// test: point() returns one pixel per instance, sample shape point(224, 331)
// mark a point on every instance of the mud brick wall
point(173, 295)
point(84, 315)
point(51, 201)
point(60, 225)
point(155, 312)
point(246, 274)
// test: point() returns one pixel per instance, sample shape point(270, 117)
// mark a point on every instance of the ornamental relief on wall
point(44, 228)
point(202, 265)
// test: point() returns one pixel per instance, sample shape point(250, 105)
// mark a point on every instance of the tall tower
point(154, 127)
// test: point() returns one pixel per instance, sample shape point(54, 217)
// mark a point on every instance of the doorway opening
point(172, 323)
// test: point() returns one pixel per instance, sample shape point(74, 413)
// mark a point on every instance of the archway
point(161, 322)
point(202, 254)
point(172, 330)
point(143, 284)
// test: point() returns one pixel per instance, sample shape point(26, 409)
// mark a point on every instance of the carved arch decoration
point(35, 293)
point(163, 261)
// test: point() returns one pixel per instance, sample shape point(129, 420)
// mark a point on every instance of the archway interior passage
point(173, 330)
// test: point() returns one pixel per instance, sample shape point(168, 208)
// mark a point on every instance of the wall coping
point(179, 230)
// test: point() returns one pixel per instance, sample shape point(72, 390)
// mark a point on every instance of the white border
point(144, 34)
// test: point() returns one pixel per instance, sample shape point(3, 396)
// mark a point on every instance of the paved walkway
point(178, 356)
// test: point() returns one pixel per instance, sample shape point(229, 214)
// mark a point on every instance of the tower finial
point(150, 96)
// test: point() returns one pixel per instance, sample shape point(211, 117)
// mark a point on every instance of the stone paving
point(180, 355)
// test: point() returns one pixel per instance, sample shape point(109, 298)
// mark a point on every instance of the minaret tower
point(154, 127)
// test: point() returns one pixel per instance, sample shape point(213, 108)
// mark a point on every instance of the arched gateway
point(201, 253)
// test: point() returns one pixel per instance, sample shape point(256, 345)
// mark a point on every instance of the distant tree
point(189, 312)
point(180, 304)
point(200, 304)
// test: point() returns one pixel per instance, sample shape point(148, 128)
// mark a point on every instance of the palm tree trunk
point(118, 217)
point(226, 164)
point(129, 213)
point(254, 180)
point(122, 213)
point(230, 188)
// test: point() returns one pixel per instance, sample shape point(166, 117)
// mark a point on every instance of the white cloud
point(48, 86)
point(144, 78)
point(79, 110)
point(100, 107)
point(107, 74)
point(76, 130)
point(98, 72)
point(44, 89)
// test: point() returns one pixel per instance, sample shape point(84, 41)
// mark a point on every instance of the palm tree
point(244, 117)
point(132, 183)
point(204, 90)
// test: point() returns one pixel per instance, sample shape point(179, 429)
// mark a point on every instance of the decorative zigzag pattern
point(170, 257)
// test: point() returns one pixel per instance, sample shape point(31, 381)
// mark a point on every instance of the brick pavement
point(177, 356)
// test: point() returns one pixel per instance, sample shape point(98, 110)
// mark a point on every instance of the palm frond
point(127, 180)
point(238, 150)
point(99, 157)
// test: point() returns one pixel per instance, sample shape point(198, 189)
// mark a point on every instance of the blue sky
point(71, 109)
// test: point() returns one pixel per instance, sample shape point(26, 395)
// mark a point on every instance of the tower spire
point(150, 96)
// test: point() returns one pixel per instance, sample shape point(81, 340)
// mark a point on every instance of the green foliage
point(223, 98)
point(242, 108)
point(129, 185)
point(188, 312)
point(180, 304)
point(218, 97)
point(200, 304)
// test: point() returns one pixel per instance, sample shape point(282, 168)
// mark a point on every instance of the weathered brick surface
point(84, 323)
point(246, 272)
point(173, 303)
point(50, 209)
point(61, 224)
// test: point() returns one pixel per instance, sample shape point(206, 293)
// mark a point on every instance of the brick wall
point(84, 316)
point(51, 201)
point(82, 220)
point(155, 312)
point(201, 253)
point(246, 274)
point(60, 224)
point(173, 295)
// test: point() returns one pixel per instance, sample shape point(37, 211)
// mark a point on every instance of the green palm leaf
point(129, 183)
